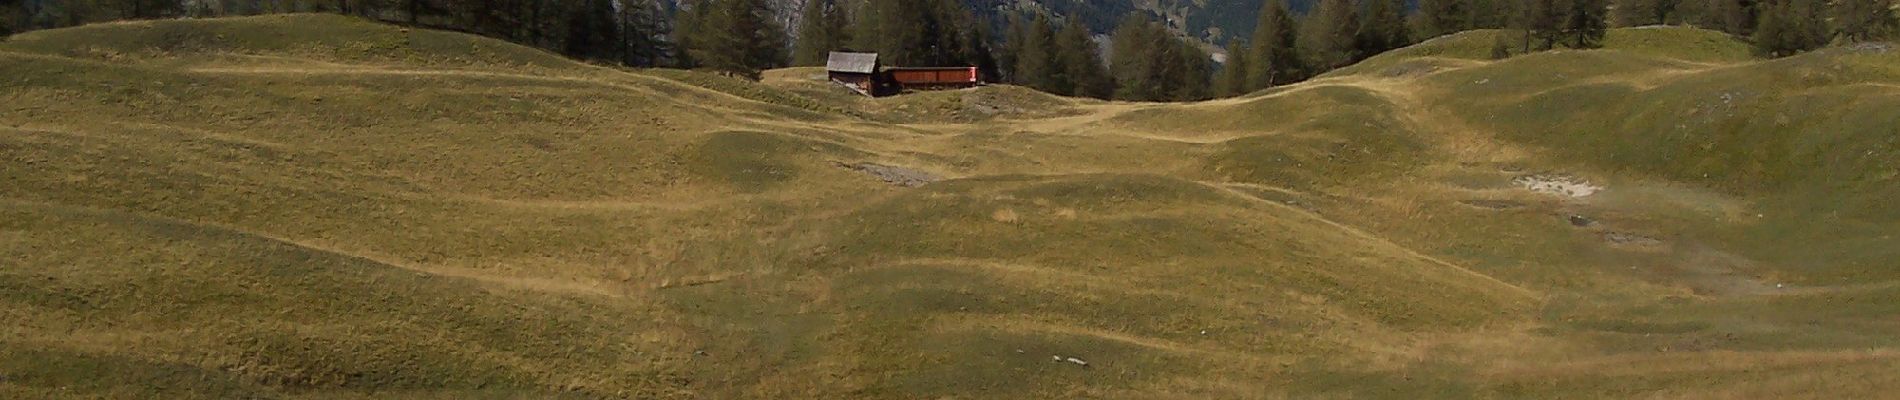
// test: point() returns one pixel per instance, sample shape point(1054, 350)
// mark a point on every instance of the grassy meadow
point(314, 206)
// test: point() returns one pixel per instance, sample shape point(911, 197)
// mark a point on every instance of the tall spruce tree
point(1134, 59)
point(1381, 27)
point(1441, 17)
point(1646, 12)
point(1151, 64)
point(1081, 63)
point(821, 30)
point(1737, 17)
point(1541, 22)
point(1585, 23)
point(1035, 55)
point(1232, 79)
point(1789, 27)
point(1014, 36)
point(914, 32)
point(1274, 57)
point(867, 24)
point(690, 30)
point(1192, 72)
point(593, 33)
point(1773, 33)
point(1865, 20)
point(1492, 14)
point(1501, 46)
point(738, 37)
point(12, 17)
point(1330, 34)
point(643, 29)
point(979, 53)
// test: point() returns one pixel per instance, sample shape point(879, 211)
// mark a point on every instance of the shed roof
point(860, 63)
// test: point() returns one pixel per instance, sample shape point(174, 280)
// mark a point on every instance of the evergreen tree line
point(740, 37)
point(632, 32)
point(1144, 60)
point(1286, 48)
point(1776, 27)
point(1788, 27)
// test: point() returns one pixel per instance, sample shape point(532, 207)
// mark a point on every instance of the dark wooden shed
point(858, 71)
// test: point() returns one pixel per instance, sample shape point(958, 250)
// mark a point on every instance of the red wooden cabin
point(919, 78)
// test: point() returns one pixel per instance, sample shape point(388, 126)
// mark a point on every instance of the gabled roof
point(857, 63)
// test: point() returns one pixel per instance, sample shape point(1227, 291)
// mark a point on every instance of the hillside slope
point(319, 207)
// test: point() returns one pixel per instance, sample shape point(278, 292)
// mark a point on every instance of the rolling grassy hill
point(320, 207)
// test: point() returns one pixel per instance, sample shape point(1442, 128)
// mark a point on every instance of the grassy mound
point(1666, 42)
point(125, 305)
point(1805, 133)
point(300, 37)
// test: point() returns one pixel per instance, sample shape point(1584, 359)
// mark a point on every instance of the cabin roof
point(857, 63)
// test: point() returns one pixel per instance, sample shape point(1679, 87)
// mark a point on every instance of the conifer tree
point(1865, 20)
point(867, 24)
point(1035, 55)
point(1501, 46)
point(1773, 32)
point(1491, 14)
point(1646, 12)
point(978, 51)
point(1232, 79)
point(12, 17)
point(592, 31)
point(1330, 34)
point(1014, 36)
point(1585, 23)
point(821, 30)
point(1381, 27)
point(690, 31)
point(1191, 72)
point(1789, 27)
point(643, 29)
point(1151, 64)
point(1541, 22)
point(949, 26)
point(1442, 17)
point(738, 37)
point(1128, 58)
point(914, 32)
point(1274, 57)
point(1081, 63)
point(148, 9)
point(1810, 19)
point(1737, 17)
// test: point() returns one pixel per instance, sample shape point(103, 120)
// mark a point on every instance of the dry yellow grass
point(348, 210)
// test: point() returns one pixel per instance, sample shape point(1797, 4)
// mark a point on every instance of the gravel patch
point(1493, 204)
point(1631, 239)
point(1560, 185)
point(894, 175)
